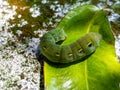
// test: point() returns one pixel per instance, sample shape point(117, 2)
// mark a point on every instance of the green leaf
point(101, 71)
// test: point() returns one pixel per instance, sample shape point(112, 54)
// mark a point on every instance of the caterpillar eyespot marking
point(89, 44)
point(80, 51)
point(58, 55)
point(44, 47)
point(75, 51)
point(70, 54)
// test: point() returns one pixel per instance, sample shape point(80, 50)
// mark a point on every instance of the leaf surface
point(101, 71)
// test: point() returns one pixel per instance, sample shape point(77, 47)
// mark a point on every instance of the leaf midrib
point(86, 76)
point(87, 31)
point(91, 22)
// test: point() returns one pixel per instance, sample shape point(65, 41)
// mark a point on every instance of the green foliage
point(100, 71)
point(116, 7)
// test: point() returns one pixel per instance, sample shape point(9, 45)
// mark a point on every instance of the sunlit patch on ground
point(19, 69)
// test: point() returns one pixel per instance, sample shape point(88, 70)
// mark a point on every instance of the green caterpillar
point(81, 48)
